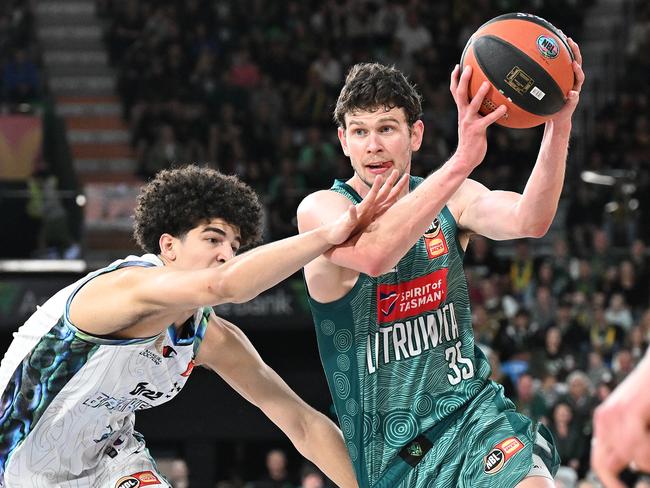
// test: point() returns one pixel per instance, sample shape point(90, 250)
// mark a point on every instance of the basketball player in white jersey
point(127, 336)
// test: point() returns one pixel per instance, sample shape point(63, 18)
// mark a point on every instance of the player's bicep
point(490, 213)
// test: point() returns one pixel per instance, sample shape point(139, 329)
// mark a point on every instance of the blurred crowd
point(249, 86)
point(20, 76)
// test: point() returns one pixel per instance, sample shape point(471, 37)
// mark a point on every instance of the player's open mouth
point(379, 168)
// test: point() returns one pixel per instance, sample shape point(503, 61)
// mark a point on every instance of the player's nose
point(225, 254)
point(374, 143)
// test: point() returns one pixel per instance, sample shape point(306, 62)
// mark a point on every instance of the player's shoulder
point(320, 207)
point(323, 202)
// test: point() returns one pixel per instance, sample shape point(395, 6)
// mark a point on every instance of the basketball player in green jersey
point(392, 311)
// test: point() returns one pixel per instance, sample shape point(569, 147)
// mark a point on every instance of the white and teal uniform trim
point(68, 398)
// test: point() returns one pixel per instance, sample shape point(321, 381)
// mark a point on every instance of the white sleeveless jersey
point(68, 398)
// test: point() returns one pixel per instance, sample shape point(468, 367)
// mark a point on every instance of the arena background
point(96, 96)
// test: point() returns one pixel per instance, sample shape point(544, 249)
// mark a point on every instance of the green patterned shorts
point(488, 445)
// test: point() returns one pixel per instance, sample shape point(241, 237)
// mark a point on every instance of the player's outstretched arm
point(228, 352)
point(153, 297)
point(244, 277)
point(508, 215)
point(622, 428)
point(394, 233)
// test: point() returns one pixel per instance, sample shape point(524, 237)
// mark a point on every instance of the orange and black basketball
point(528, 63)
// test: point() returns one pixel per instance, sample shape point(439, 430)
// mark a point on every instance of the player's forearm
point(538, 204)
point(323, 445)
point(246, 276)
point(395, 232)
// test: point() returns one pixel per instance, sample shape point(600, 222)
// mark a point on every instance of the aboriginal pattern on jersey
point(398, 350)
point(57, 357)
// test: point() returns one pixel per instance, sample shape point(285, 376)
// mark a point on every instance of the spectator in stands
point(481, 259)
point(311, 477)
point(618, 313)
point(517, 336)
point(21, 79)
point(522, 269)
point(633, 283)
point(277, 473)
point(605, 337)
point(570, 439)
point(528, 400)
point(554, 357)
point(164, 153)
point(580, 398)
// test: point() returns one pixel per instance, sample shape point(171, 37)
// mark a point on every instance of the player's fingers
point(476, 102)
point(609, 479)
point(641, 457)
point(572, 99)
point(463, 86)
point(386, 187)
point(453, 82)
point(394, 193)
point(579, 76)
point(399, 186)
point(495, 115)
point(576, 50)
point(374, 190)
point(352, 215)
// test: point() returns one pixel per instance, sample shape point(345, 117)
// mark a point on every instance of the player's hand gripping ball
point(528, 64)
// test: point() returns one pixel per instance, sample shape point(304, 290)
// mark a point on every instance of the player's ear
point(167, 246)
point(417, 132)
point(343, 140)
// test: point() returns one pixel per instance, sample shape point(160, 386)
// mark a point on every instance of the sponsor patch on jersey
point(137, 480)
point(168, 352)
point(414, 451)
point(500, 454)
point(435, 241)
point(434, 230)
point(411, 298)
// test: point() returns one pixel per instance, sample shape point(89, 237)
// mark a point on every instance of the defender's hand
point(380, 197)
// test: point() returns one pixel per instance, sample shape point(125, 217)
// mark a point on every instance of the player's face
point(379, 142)
point(208, 245)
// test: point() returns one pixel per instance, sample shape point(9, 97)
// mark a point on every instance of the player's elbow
point(537, 229)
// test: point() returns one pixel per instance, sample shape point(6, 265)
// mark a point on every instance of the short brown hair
point(370, 86)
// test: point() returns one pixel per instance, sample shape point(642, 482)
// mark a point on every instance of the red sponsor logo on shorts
point(137, 480)
point(411, 298)
point(147, 478)
point(501, 453)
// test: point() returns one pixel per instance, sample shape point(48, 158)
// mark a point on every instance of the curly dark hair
point(370, 86)
point(177, 200)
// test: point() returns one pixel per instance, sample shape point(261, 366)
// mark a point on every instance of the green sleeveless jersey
point(398, 350)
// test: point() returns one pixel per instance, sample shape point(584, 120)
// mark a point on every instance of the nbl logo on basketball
point(548, 47)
